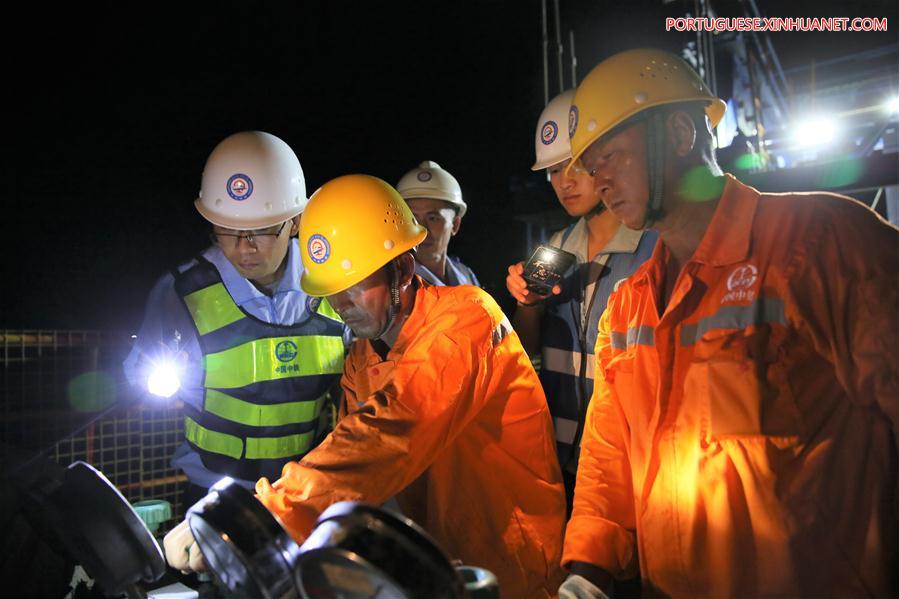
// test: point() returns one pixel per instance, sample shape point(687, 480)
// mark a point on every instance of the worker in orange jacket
point(442, 406)
point(741, 440)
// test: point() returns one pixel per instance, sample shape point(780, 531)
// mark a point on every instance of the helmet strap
point(655, 166)
point(596, 210)
point(394, 308)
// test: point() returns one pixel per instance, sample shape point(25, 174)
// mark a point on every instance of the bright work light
point(816, 132)
point(164, 380)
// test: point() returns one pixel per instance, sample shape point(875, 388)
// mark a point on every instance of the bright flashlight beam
point(818, 132)
point(163, 381)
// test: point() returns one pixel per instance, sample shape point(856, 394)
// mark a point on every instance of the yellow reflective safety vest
point(264, 384)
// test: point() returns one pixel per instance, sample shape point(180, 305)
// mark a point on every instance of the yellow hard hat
point(351, 227)
point(628, 83)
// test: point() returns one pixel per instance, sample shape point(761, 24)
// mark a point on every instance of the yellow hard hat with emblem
point(351, 227)
point(628, 83)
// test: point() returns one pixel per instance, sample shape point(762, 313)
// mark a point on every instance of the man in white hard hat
point(232, 334)
point(436, 201)
point(562, 327)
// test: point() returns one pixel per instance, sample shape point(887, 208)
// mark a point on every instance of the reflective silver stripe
point(767, 310)
point(501, 331)
point(642, 335)
point(566, 362)
point(565, 430)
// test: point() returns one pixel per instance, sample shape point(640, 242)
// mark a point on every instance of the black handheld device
point(546, 267)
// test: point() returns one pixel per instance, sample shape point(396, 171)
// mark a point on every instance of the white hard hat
point(430, 182)
point(551, 143)
point(251, 180)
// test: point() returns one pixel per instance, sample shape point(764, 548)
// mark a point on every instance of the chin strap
point(655, 166)
point(394, 307)
point(596, 210)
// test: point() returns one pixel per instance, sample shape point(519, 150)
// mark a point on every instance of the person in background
point(253, 354)
point(436, 201)
point(561, 328)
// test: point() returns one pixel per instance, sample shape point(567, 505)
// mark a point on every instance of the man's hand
point(518, 287)
point(182, 551)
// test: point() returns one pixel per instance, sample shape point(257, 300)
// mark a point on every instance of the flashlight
point(165, 377)
point(164, 380)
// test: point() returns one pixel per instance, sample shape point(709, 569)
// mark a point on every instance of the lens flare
point(164, 381)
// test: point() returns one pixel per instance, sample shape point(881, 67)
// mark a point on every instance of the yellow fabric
point(212, 308)
point(750, 456)
point(254, 414)
point(455, 424)
point(337, 251)
point(261, 360)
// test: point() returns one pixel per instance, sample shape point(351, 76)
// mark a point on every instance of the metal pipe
point(559, 47)
point(573, 59)
point(545, 54)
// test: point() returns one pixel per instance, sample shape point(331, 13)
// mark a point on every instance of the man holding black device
point(559, 306)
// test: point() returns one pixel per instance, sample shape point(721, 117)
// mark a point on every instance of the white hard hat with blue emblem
point(251, 180)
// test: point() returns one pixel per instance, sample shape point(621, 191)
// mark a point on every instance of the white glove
point(181, 551)
point(578, 587)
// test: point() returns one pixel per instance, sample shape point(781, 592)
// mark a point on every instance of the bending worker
point(441, 409)
point(562, 327)
point(741, 440)
point(436, 201)
point(255, 355)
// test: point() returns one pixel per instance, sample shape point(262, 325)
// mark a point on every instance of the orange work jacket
point(455, 424)
point(743, 442)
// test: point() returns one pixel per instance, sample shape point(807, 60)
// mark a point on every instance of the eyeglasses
point(577, 168)
point(260, 237)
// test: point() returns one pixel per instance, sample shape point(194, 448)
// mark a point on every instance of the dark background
point(112, 110)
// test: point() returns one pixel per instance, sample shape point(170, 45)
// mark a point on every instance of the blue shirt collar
point(241, 289)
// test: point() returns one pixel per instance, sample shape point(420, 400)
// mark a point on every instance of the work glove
point(182, 551)
point(578, 587)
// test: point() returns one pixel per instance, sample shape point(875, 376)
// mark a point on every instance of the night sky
point(114, 111)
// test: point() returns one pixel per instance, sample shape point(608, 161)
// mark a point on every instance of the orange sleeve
point(601, 529)
point(380, 448)
point(845, 296)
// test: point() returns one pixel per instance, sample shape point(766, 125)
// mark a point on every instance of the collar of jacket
point(624, 241)
point(726, 240)
point(414, 321)
point(242, 290)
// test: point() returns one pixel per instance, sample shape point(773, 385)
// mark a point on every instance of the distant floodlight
point(164, 381)
point(816, 132)
point(893, 105)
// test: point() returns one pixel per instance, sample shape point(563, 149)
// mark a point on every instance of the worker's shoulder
point(465, 299)
point(799, 208)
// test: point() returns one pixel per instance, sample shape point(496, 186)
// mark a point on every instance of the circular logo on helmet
point(240, 187)
point(424, 176)
point(572, 120)
point(286, 351)
point(319, 249)
point(549, 132)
